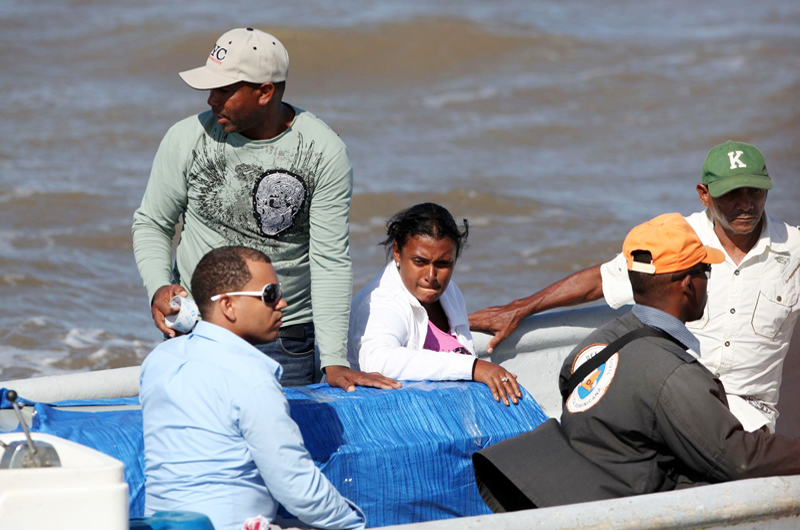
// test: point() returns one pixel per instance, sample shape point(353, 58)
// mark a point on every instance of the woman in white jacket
point(410, 321)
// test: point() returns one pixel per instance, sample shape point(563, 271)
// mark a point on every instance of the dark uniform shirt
point(650, 419)
point(654, 416)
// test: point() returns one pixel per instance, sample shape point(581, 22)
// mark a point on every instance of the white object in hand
point(187, 316)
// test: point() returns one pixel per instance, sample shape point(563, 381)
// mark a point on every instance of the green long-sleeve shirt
point(288, 197)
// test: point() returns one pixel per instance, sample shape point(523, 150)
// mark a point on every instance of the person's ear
point(686, 283)
point(688, 288)
point(266, 93)
point(396, 253)
point(227, 308)
point(705, 196)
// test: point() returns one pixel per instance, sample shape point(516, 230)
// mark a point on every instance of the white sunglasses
point(270, 294)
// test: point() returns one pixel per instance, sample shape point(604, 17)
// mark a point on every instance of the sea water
point(553, 127)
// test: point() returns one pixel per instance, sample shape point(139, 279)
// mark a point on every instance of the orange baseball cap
point(672, 242)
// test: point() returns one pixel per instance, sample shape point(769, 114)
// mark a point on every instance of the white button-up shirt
point(749, 318)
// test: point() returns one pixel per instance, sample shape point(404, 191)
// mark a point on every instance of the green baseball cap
point(734, 165)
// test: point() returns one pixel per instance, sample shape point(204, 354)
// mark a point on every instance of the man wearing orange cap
point(753, 295)
point(640, 414)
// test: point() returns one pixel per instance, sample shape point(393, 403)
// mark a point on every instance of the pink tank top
point(438, 340)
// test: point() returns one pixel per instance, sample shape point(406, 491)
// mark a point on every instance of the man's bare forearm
point(579, 288)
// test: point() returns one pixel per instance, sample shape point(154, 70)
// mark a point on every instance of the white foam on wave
point(554, 212)
point(731, 64)
point(46, 238)
point(600, 71)
point(83, 338)
point(18, 193)
point(40, 321)
point(26, 192)
point(520, 119)
point(62, 350)
point(11, 278)
point(459, 96)
point(480, 220)
point(100, 354)
point(528, 252)
point(9, 239)
point(33, 324)
point(496, 220)
point(37, 362)
point(517, 220)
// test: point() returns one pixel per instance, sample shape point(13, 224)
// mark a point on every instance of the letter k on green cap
point(734, 165)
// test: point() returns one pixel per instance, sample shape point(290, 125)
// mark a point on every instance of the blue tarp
point(402, 455)
point(116, 433)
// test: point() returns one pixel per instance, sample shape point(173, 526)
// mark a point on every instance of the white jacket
point(388, 327)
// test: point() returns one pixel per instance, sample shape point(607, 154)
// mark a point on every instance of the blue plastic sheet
point(116, 433)
point(402, 455)
point(405, 455)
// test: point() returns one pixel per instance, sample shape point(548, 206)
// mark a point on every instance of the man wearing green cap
point(752, 296)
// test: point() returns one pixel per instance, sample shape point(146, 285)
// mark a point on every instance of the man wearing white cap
point(257, 172)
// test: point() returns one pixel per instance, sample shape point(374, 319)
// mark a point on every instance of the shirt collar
point(665, 322)
point(765, 239)
point(219, 334)
point(776, 234)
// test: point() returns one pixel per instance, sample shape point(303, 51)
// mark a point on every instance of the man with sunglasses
point(218, 437)
point(640, 414)
point(753, 298)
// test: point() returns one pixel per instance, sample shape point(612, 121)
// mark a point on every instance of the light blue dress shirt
point(665, 322)
point(219, 439)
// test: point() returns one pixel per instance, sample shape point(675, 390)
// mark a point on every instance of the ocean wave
point(39, 345)
point(22, 195)
point(462, 96)
point(102, 236)
point(391, 53)
point(21, 280)
point(373, 209)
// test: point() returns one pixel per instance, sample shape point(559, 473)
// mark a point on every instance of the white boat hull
point(87, 491)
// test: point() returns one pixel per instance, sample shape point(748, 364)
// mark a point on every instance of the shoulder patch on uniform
point(592, 389)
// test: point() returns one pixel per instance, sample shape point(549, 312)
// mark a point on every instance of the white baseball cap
point(242, 54)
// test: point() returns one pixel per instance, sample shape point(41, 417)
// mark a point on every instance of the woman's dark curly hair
point(427, 219)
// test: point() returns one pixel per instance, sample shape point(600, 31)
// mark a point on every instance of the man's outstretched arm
point(581, 287)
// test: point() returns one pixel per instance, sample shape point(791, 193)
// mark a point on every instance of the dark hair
point(224, 269)
point(427, 219)
point(280, 87)
point(648, 285)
